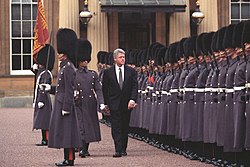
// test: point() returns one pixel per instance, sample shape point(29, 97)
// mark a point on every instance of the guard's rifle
point(48, 57)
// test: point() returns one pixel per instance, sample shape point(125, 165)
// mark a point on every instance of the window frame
point(240, 2)
point(21, 71)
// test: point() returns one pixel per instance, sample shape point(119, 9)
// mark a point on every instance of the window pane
point(16, 29)
point(15, 0)
point(34, 0)
point(26, 29)
point(15, 12)
point(235, 0)
point(245, 11)
point(34, 9)
point(26, 62)
point(16, 62)
point(26, 11)
point(235, 11)
point(25, 1)
point(16, 46)
point(235, 21)
point(26, 46)
point(246, 0)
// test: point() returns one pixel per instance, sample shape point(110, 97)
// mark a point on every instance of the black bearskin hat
point(228, 37)
point(199, 44)
point(206, 43)
point(189, 46)
point(246, 33)
point(44, 53)
point(238, 29)
point(66, 43)
point(220, 37)
point(84, 50)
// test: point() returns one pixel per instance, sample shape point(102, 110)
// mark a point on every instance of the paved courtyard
point(17, 147)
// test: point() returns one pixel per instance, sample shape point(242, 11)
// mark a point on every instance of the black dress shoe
point(65, 163)
point(124, 153)
point(82, 154)
point(117, 155)
point(87, 154)
point(43, 143)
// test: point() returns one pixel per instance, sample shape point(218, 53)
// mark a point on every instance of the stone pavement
point(17, 148)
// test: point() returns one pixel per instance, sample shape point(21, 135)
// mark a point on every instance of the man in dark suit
point(120, 88)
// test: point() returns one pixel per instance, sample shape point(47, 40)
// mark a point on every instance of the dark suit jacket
point(115, 97)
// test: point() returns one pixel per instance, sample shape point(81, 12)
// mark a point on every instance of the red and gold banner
point(41, 30)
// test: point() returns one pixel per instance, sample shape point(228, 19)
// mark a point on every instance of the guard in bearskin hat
point(64, 129)
point(42, 102)
point(88, 87)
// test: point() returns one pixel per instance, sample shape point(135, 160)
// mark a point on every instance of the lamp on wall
point(197, 15)
point(85, 15)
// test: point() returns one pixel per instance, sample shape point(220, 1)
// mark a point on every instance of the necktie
point(120, 78)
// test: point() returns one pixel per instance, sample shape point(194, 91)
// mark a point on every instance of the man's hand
point(131, 104)
point(45, 87)
point(65, 112)
point(106, 110)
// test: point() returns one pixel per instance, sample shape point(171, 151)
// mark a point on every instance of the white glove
point(76, 93)
point(46, 87)
point(35, 66)
point(33, 105)
point(40, 104)
point(102, 106)
point(65, 112)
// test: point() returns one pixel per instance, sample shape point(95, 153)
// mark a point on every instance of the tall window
point(240, 10)
point(22, 22)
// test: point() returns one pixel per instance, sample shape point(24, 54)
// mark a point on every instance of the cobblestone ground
point(17, 148)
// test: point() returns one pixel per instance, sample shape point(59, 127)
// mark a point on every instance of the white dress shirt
point(117, 72)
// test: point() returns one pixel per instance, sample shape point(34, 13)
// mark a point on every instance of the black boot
point(87, 150)
point(84, 150)
point(69, 157)
point(44, 139)
point(65, 163)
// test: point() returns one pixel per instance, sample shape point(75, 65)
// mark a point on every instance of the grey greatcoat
point(164, 113)
point(207, 109)
point(188, 104)
point(64, 130)
point(135, 119)
point(173, 103)
point(240, 105)
point(42, 114)
point(90, 92)
point(199, 97)
point(223, 67)
point(229, 120)
point(178, 128)
point(247, 111)
point(154, 111)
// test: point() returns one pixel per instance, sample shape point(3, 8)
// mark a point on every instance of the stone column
point(5, 38)
point(69, 15)
point(210, 10)
point(97, 31)
point(179, 25)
